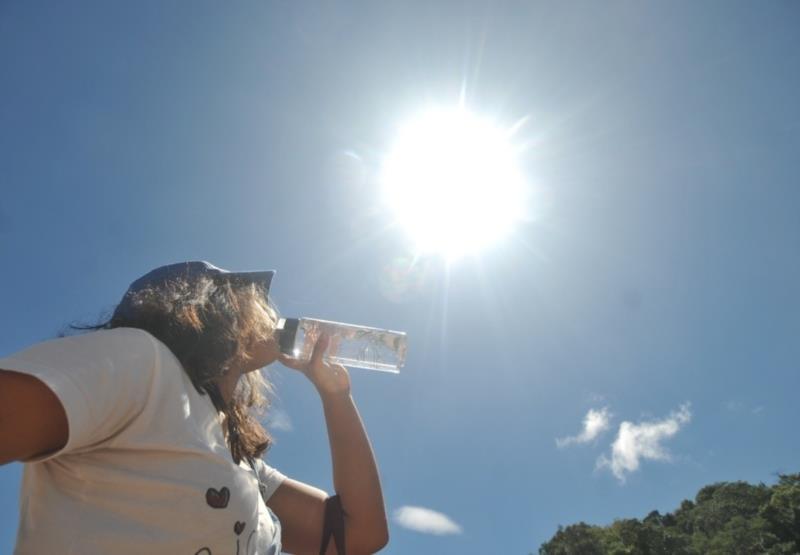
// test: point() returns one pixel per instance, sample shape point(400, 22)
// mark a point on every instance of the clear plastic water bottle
point(350, 345)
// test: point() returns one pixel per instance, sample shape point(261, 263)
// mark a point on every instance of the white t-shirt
point(146, 468)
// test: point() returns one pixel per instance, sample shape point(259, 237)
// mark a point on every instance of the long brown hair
point(208, 323)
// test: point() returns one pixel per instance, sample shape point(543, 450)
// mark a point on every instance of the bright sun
point(453, 181)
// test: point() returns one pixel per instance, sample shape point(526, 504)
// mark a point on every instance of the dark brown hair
point(208, 324)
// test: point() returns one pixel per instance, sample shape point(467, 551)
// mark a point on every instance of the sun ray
point(495, 318)
point(443, 330)
point(325, 266)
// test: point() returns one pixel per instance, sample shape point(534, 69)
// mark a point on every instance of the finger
point(319, 350)
point(291, 362)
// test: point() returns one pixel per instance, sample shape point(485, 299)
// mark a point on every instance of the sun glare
point(453, 182)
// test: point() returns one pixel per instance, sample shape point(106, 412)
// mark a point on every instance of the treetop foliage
point(724, 518)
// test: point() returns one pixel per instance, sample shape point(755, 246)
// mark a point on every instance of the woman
point(140, 437)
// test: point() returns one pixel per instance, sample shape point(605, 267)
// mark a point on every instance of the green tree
point(730, 518)
point(782, 513)
point(577, 539)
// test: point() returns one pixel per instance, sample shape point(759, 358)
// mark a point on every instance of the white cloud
point(594, 423)
point(426, 521)
point(278, 419)
point(643, 441)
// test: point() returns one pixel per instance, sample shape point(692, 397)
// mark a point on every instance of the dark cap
point(189, 271)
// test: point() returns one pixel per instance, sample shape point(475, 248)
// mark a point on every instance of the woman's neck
point(227, 385)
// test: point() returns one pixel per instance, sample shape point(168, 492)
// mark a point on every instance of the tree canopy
point(724, 518)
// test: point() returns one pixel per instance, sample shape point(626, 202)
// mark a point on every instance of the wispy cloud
point(426, 521)
point(738, 406)
point(594, 423)
point(595, 397)
point(278, 419)
point(643, 441)
point(734, 406)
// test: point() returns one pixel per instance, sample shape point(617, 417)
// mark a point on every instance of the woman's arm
point(355, 474)
point(32, 419)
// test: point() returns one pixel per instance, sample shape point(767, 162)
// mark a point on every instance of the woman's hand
point(329, 379)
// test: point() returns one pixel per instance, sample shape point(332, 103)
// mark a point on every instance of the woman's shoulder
point(125, 346)
point(132, 339)
point(129, 334)
point(110, 337)
point(70, 350)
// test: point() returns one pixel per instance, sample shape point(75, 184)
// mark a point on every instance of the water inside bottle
point(354, 346)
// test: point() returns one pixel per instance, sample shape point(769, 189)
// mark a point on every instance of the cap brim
point(262, 278)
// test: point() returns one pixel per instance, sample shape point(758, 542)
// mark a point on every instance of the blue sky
point(658, 280)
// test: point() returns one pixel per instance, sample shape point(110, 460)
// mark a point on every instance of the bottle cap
point(287, 330)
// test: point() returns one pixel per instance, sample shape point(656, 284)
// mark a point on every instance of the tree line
point(728, 518)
